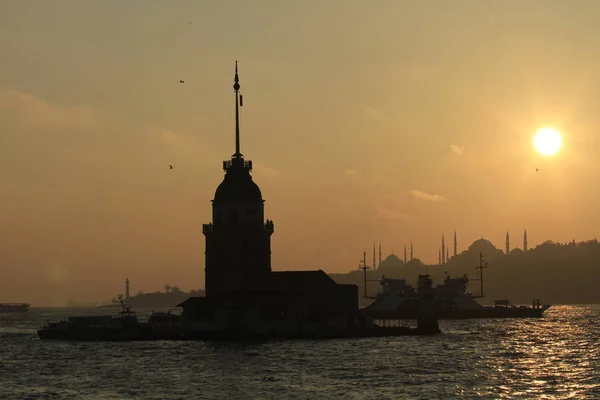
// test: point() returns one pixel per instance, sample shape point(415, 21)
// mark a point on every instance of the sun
point(547, 141)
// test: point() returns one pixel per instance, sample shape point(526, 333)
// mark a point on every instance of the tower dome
point(237, 186)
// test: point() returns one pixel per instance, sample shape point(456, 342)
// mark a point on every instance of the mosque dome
point(237, 186)
point(482, 245)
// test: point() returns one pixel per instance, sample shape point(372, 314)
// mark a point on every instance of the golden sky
point(367, 121)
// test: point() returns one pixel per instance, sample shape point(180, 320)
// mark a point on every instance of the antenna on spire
point(236, 87)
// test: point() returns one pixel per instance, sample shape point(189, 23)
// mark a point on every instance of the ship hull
point(14, 308)
point(484, 312)
point(88, 335)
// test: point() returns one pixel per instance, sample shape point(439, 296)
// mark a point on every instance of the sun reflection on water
point(556, 359)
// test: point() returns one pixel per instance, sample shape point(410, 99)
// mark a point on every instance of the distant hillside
point(557, 273)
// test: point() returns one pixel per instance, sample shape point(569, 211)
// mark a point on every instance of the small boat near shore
point(14, 307)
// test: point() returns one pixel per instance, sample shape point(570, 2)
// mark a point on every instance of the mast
point(364, 268)
point(482, 265)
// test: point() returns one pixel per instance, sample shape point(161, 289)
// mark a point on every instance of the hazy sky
point(367, 121)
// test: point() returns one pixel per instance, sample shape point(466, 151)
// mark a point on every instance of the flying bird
point(536, 170)
point(180, 81)
point(170, 166)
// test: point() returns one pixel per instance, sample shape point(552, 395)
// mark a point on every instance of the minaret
point(440, 256)
point(379, 253)
point(443, 251)
point(525, 240)
point(374, 266)
point(126, 288)
point(238, 240)
point(507, 243)
point(405, 254)
point(455, 243)
point(411, 251)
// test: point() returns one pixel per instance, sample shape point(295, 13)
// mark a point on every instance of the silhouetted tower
point(440, 256)
point(507, 243)
point(443, 251)
point(379, 253)
point(525, 240)
point(405, 254)
point(374, 257)
point(238, 241)
point(455, 243)
point(126, 288)
point(411, 251)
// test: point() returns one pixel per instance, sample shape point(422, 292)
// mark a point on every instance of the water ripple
point(556, 357)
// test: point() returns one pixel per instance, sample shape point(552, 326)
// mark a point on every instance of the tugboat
point(123, 327)
point(452, 301)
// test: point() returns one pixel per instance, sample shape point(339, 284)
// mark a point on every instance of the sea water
point(554, 357)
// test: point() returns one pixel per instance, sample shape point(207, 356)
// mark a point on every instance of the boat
point(123, 327)
point(13, 307)
point(397, 299)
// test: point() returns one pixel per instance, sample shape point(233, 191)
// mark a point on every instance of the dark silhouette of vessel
point(13, 307)
point(123, 327)
point(452, 301)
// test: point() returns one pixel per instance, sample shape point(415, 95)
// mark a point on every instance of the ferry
point(123, 327)
point(399, 300)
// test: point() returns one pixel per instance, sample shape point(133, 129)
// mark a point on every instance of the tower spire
point(507, 243)
point(374, 266)
point(455, 242)
point(236, 87)
point(443, 251)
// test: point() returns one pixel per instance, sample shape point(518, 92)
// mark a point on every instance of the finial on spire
point(236, 79)
point(236, 87)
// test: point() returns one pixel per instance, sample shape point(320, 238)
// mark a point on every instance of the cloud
point(372, 113)
point(458, 150)
point(388, 213)
point(267, 171)
point(168, 137)
point(30, 110)
point(380, 178)
point(417, 194)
